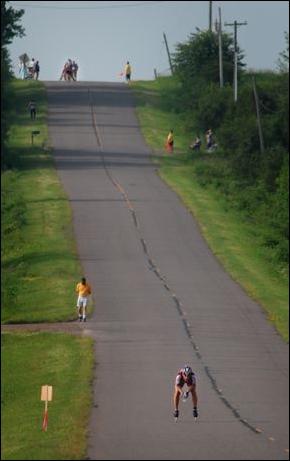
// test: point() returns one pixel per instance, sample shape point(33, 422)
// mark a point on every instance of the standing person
point(170, 141)
point(36, 70)
point(128, 72)
point(23, 72)
point(31, 66)
point(84, 290)
point(185, 376)
point(75, 68)
point(209, 139)
point(32, 108)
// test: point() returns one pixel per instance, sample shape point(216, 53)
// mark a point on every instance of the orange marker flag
point(45, 420)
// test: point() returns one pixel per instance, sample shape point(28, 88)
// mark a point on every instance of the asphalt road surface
point(161, 300)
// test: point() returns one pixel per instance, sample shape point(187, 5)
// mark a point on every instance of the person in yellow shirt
point(83, 290)
point(127, 72)
point(170, 141)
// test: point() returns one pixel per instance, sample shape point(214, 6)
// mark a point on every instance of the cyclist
point(185, 376)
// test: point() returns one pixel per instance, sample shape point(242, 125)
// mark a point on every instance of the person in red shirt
point(83, 290)
point(185, 376)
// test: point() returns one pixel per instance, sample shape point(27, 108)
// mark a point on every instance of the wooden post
point(33, 133)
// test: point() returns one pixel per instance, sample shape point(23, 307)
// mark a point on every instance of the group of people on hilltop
point(69, 71)
point(30, 70)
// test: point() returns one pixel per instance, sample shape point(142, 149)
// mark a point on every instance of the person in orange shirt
point(83, 290)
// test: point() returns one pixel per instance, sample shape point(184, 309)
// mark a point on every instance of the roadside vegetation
point(245, 225)
point(239, 197)
point(39, 270)
point(239, 192)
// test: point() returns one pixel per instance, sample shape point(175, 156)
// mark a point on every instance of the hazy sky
point(102, 36)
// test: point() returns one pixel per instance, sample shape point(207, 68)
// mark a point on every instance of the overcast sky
point(102, 36)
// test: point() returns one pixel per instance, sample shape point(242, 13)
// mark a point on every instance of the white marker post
point(46, 396)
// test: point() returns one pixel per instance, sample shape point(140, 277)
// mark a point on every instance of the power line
point(126, 5)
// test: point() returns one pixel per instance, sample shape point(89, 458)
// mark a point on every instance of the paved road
point(161, 300)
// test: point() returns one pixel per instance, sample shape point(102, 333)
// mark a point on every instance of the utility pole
point(235, 24)
point(210, 16)
point(168, 54)
point(220, 50)
point(262, 149)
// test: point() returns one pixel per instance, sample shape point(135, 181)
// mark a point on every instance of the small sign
point(46, 393)
point(34, 133)
point(46, 396)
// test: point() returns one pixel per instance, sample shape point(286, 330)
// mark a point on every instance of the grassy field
point(40, 268)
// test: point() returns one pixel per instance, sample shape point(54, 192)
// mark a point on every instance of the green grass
point(30, 361)
point(233, 240)
point(235, 244)
point(40, 268)
point(39, 271)
point(40, 265)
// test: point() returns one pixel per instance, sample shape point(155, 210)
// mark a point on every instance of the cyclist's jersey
point(180, 381)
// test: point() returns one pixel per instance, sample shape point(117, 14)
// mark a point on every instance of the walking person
point(32, 108)
point(83, 290)
point(185, 376)
point(128, 72)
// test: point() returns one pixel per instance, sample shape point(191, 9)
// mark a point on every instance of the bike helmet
point(187, 370)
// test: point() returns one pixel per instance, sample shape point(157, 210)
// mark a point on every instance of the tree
point(197, 60)
point(283, 60)
point(9, 29)
point(9, 24)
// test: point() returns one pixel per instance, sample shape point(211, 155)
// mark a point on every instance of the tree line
point(10, 28)
point(251, 166)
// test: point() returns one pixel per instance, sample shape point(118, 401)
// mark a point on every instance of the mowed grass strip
point(31, 360)
point(40, 264)
point(39, 270)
